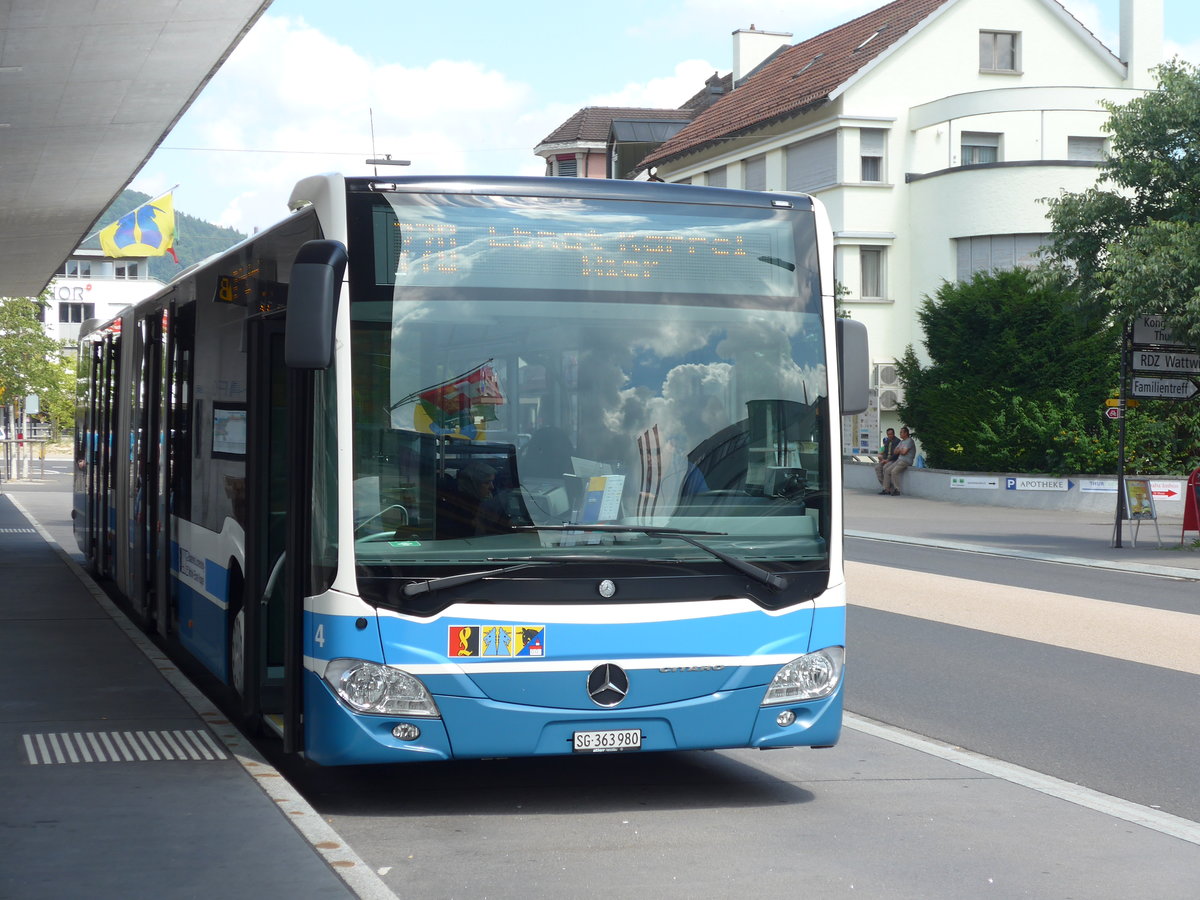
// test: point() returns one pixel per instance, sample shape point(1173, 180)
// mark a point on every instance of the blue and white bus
point(445, 468)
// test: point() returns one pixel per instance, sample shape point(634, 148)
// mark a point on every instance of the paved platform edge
point(1162, 571)
point(1126, 810)
point(327, 843)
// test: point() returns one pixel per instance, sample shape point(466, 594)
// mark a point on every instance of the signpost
point(1152, 331)
point(1171, 363)
point(1163, 388)
point(1148, 346)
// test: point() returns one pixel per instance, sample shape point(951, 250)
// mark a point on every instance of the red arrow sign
point(1113, 413)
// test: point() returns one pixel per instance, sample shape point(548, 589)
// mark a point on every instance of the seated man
point(905, 456)
point(887, 453)
point(470, 509)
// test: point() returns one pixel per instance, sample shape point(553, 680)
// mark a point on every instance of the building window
point(998, 51)
point(565, 165)
point(980, 147)
point(997, 252)
point(871, 143)
point(812, 164)
point(716, 177)
point(76, 268)
point(754, 174)
point(1087, 149)
point(871, 262)
point(76, 313)
point(127, 270)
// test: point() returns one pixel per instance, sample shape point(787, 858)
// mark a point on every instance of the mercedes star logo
point(607, 685)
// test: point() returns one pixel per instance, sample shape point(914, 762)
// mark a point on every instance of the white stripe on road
point(1154, 819)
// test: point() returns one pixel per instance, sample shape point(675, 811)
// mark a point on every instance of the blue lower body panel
point(484, 728)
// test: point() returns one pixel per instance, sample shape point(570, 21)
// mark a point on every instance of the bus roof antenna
point(387, 157)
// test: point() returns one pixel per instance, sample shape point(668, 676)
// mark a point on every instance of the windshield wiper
point(449, 581)
point(758, 573)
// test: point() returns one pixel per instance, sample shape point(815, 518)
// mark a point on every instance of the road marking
point(1154, 819)
point(1154, 637)
point(56, 748)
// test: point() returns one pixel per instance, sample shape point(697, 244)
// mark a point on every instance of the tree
point(30, 360)
point(1017, 379)
point(1131, 245)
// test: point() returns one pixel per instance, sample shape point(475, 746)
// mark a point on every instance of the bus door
point(106, 453)
point(143, 487)
point(267, 471)
point(87, 525)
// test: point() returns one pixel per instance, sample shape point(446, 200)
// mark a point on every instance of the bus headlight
point(808, 677)
point(369, 687)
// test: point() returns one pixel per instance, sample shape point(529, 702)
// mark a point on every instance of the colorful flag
point(148, 230)
point(479, 387)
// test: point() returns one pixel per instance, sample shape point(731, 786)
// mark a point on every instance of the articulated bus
point(446, 468)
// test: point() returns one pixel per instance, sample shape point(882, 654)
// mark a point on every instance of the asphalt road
point(1115, 708)
point(1080, 674)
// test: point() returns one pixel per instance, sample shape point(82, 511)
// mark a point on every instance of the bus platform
point(119, 778)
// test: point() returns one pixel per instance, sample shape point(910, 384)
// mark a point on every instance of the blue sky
point(468, 87)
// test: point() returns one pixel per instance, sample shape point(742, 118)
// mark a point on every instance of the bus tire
point(237, 633)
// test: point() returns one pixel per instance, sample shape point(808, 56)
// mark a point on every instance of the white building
point(90, 285)
point(931, 130)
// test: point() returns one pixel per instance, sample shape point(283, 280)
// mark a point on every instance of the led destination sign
point(633, 248)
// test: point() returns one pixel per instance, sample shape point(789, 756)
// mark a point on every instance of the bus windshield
point(526, 364)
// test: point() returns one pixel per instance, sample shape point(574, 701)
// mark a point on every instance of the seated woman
point(469, 508)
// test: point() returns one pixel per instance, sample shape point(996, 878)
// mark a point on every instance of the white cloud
point(669, 91)
point(802, 20)
point(293, 102)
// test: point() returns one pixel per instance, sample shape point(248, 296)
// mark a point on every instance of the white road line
point(1154, 819)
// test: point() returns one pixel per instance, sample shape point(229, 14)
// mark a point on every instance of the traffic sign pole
point(1126, 336)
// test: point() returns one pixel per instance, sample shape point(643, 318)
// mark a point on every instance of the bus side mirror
point(312, 304)
point(854, 367)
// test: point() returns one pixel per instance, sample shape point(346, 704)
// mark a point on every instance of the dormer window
point(999, 51)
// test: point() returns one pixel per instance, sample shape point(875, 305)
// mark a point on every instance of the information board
point(1139, 499)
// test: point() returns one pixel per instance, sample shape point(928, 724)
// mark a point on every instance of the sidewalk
point(120, 779)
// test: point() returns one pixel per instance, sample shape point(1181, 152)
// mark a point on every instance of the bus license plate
point(608, 741)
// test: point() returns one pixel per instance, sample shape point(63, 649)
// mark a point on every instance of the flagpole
point(135, 209)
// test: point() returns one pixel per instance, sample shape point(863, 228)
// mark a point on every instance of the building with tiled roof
point(579, 147)
point(931, 130)
point(609, 141)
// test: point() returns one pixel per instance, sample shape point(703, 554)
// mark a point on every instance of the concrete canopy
point(88, 90)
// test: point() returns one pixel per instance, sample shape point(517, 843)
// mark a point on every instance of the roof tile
point(798, 78)
point(592, 123)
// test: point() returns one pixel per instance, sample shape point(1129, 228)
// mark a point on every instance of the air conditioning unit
point(887, 375)
point(890, 398)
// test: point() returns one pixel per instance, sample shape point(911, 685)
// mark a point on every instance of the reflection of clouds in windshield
point(773, 365)
point(752, 360)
